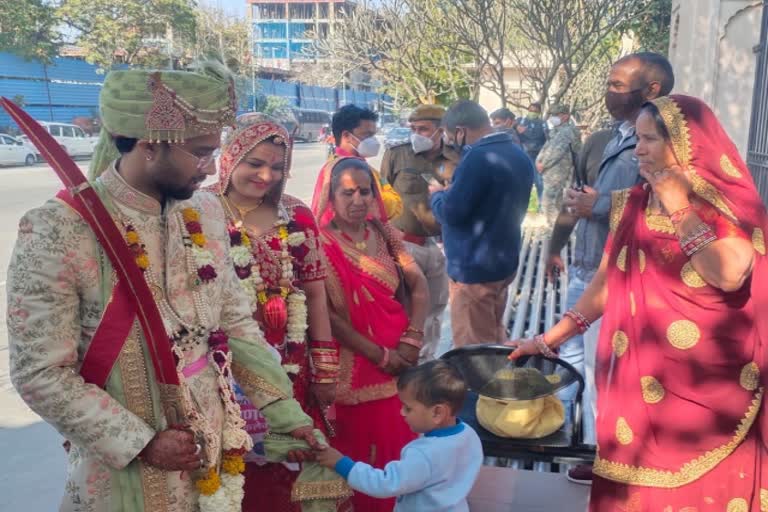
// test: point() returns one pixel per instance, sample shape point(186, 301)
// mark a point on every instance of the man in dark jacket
point(481, 213)
point(533, 134)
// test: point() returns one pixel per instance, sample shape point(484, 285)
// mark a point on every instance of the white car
point(15, 152)
point(71, 137)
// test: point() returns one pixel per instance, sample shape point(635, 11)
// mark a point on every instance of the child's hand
point(328, 457)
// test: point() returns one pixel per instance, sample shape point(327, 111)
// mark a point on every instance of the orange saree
point(361, 289)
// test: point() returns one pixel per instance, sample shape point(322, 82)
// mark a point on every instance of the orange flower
point(142, 260)
point(210, 484)
point(233, 465)
point(132, 237)
point(190, 215)
point(198, 239)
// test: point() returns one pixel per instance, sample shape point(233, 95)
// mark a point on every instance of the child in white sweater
point(435, 472)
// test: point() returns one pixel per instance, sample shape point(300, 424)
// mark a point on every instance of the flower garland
point(249, 273)
point(222, 490)
point(202, 257)
point(138, 249)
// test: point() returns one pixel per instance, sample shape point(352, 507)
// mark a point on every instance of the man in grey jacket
point(632, 81)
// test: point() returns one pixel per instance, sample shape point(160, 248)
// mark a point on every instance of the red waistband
point(415, 239)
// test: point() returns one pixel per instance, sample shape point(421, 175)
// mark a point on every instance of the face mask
point(533, 115)
point(367, 148)
point(422, 144)
point(457, 146)
point(554, 122)
point(622, 105)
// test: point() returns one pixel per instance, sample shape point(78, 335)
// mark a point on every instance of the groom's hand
point(173, 450)
point(306, 434)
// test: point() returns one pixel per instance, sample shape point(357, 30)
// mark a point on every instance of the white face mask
point(554, 122)
point(367, 148)
point(422, 144)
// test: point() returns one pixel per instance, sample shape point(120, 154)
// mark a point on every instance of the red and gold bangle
point(323, 344)
point(412, 342)
point(677, 216)
point(582, 324)
point(544, 349)
point(324, 364)
point(418, 332)
point(700, 236)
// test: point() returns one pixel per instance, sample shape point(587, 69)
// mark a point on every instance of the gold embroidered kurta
point(57, 286)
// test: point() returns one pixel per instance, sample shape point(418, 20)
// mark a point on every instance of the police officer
point(408, 168)
point(556, 158)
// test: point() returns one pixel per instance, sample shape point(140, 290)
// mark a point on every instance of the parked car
point(72, 138)
point(397, 136)
point(15, 152)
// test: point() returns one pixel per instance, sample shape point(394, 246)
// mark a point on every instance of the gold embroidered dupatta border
point(680, 137)
point(688, 472)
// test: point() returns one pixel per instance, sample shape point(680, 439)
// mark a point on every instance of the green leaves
point(28, 29)
point(140, 32)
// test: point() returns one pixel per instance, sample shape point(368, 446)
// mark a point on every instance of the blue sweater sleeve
point(620, 177)
point(455, 205)
point(404, 476)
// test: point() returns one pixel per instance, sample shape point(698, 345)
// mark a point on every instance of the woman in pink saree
point(683, 291)
point(378, 336)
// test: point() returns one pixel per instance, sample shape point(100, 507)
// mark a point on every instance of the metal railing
point(534, 304)
point(757, 151)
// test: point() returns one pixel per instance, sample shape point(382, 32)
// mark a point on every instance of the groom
point(153, 426)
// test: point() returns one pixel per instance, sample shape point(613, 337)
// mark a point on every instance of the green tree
point(221, 36)
point(650, 26)
point(28, 29)
point(136, 32)
point(388, 40)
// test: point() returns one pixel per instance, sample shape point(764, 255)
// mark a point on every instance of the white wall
point(711, 46)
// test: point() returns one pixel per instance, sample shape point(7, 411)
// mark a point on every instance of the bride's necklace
point(242, 211)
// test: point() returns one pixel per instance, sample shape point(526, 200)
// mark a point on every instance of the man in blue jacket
point(481, 213)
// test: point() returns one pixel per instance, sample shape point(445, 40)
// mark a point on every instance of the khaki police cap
point(427, 113)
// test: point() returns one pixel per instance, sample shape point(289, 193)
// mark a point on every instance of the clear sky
point(230, 6)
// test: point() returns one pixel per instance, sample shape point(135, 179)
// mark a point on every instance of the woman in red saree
point(377, 336)
point(681, 361)
point(274, 245)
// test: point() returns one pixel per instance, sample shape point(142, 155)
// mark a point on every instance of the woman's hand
point(397, 364)
point(523, 347)
point(408, 352)
point(672, 186)
point(323, 394)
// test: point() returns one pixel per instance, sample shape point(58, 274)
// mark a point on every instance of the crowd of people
point(246, 351)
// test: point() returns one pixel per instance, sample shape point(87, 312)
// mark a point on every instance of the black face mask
point(458, 146)
point(621, 105)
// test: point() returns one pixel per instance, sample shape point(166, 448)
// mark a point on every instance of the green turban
point(162, 106)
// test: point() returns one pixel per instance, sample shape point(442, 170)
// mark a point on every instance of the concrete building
point(282, 29)
point(713, 48)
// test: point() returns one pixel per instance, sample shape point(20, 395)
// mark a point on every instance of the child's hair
point(435, 382)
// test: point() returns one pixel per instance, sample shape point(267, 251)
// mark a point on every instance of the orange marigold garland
point(139, 251)
point(203, 258)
